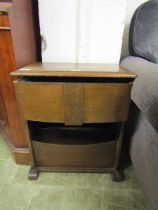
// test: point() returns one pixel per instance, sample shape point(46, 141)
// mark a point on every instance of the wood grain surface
point(73, 103)
point(41, 101)
point(74, 70)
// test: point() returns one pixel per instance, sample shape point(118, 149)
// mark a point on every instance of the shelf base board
point(76, 169)
point(117, 175)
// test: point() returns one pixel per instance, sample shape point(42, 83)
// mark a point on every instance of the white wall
point(131, 7)
point(82, 30)
point(86, 30)
point(58, 26)
point(101, 30)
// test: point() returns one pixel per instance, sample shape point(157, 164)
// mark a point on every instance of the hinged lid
point(74, 70)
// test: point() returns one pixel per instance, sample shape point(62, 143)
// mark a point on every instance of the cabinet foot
point(118, 176)
point(33, 174)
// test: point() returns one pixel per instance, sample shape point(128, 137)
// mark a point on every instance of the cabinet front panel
point(106, 102)
point(79, 156)
point(41, 101)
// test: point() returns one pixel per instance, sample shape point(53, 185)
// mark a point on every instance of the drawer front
point(40, 101)
point(77, 156)
point(106, 102)
point(73, 104)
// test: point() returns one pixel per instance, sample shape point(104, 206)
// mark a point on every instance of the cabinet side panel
point(22, 31)
point(7, 64)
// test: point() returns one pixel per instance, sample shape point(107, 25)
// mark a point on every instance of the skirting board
point(20, 155)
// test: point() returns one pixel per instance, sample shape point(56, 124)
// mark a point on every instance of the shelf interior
point(73, 79)
point(73, 135)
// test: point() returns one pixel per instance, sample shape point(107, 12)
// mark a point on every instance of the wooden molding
point(4, 28)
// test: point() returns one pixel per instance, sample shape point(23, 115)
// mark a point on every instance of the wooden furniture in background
point(74, 115)
point(17, 49)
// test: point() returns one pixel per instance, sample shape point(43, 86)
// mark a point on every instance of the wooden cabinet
point(17, 48)
point(74, 115)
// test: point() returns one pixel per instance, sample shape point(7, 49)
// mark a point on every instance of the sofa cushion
point(144, 156)
point(143, 40)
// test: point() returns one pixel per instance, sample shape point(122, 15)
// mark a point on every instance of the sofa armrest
point(145, 87)
point(139, 65)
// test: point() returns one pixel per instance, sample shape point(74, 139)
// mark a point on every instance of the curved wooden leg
point(33, 173)
point(118, 176)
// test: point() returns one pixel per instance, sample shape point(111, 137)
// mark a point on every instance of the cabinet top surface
point(74, 70)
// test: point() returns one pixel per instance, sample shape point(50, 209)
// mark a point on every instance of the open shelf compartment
point(73, 135)
point(89, 146)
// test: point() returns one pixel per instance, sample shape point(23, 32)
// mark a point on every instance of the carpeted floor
point(65, 191)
